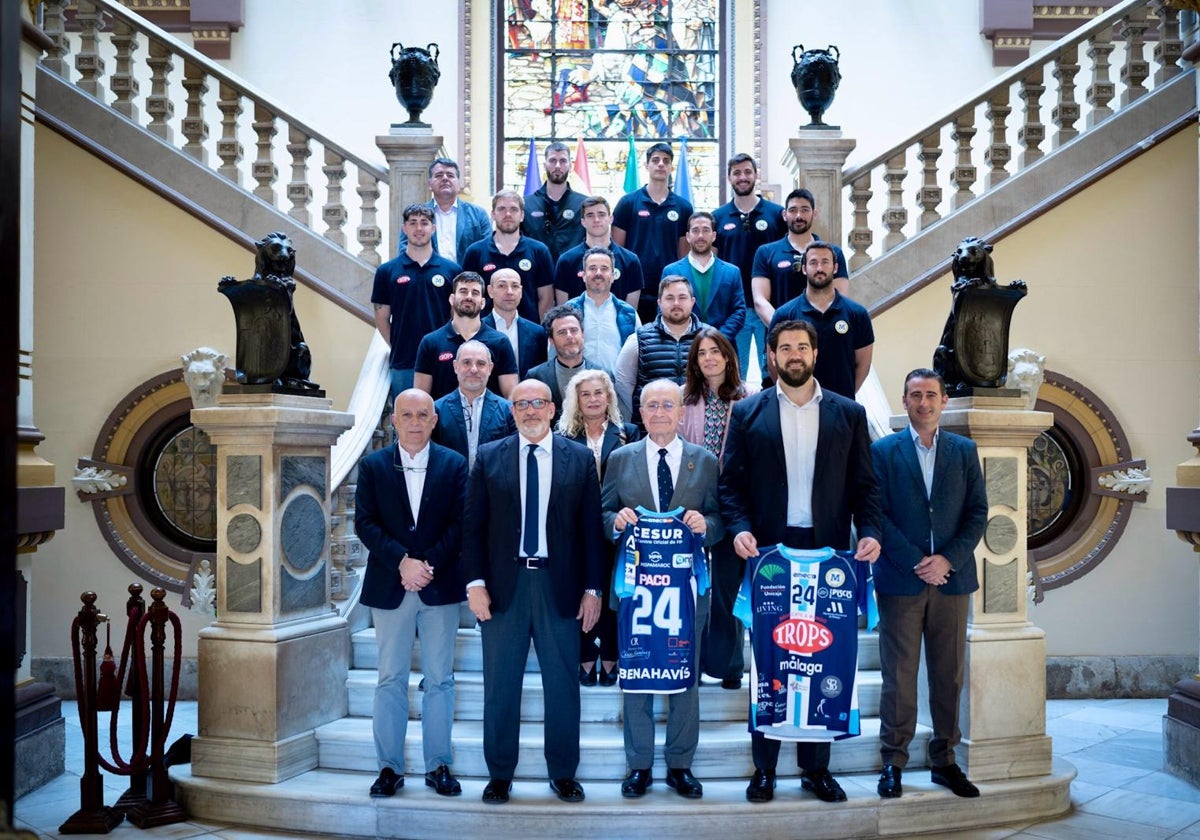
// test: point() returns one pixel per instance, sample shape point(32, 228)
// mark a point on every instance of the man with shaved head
point(408, 515)
point(535, 570)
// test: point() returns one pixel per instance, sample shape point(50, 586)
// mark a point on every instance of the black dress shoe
point(951, 776)
point(608, 677)
point(568, 790)
point(685, 784)
point(442, 781)
point(731, 683)
point(635, 783)
point(496, 791)
point(761, 787)
point(822, 783)
point(889, 786)
point(587, 677)
point(387, 784)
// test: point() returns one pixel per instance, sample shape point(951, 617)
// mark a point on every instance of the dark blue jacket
point(451, 429)
point(531, 343)
point(725, 308)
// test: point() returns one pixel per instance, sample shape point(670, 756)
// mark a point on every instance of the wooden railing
point(110, 36)
point(1087, 94)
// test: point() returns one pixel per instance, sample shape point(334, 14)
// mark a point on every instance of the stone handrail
point(1122, 29)
point(110, 32)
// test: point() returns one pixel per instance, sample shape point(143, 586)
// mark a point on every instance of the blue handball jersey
point(802, 611)
point(659, 572)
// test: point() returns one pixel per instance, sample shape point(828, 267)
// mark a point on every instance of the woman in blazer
point(590, 416)
point(712, 385)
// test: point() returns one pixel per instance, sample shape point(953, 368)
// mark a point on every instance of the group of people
point(607, 384)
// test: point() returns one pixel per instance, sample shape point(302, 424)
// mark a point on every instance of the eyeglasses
point(658, 406)
point(522, 405)
point(400, 467)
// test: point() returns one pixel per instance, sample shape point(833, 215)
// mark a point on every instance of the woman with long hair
point(590, 416)
point(711, 386)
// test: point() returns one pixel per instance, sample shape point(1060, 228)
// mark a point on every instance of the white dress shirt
point(545, 459)
point(446, 225)
point(800, 425)
point(414, 467)
point(509, 331)
point(926, 457)
point(472, 414)
point(674, 459)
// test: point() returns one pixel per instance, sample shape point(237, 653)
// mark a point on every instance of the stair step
point(723, 751)
point(597, 703)
point(468, 655)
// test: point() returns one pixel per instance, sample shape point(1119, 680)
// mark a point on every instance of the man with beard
point(658, 350)
point(777, 275)
point(747, 222)
point(564, 325)
point(437, 351)
point(608, 320)
point(720, 301)
point(507, 248)
point(844, 326)
point(597, 228)
point(552, 213)
point(471, 415)
point(457, 223)
point(797, 471)
point(533, 558)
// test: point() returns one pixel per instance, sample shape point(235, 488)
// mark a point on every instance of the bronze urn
point(816, 77)
point(414, 74)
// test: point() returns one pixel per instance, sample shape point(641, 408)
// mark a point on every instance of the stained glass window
point(605, 70)
point(185, 481)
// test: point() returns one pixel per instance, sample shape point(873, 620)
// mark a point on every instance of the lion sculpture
point(204, 374)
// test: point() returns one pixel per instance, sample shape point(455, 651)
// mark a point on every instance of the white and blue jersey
point(659, 572)
point(802, 611)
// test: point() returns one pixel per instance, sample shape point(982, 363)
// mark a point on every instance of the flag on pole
point(582, 172)
point(631, 168)
point(683, 179)
point(533, 176)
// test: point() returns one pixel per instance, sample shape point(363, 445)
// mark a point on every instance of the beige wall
point(126, 283)
point(1122, 320)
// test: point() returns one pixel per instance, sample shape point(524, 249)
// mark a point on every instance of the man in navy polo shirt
point(507, 248)
point(552, 213)
point(436, 352)
point(597, 228)
point(652, 222)
point(743, 225)
point(777, 274)
point(844, 331)
point(410, 294)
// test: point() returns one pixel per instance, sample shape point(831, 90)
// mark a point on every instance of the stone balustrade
point(946, 158)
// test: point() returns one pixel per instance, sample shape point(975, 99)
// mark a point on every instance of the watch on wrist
point(595, 593)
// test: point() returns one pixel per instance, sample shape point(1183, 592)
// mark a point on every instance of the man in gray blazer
point(934, 513)
point(636, 476)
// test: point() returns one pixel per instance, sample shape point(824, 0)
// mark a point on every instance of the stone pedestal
point(1003, 704)
point(815, 158)
point(273, 665)
point(408, 151)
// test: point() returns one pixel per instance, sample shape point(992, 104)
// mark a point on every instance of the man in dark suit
point(564, 325)
point(797, 471)
point(934, 514)
point(533, 560)
point(471, 414)
point(407, 514)
point(632, 479)
point(527, 338)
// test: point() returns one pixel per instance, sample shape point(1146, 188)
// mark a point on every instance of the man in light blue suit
point(459, 224)
point(934, 513)
point(720, 299)
point(471, 415)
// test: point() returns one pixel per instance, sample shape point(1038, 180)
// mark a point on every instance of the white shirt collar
point(421, 459)
point(816, 398)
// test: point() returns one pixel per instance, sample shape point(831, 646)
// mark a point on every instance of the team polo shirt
point(530, 259)
point(841, 329)
point(740, 235)
point(435, 356)
point(775, 261)
point(627, 271)
point(652, 231)
point(554, 223)
point(419, 296)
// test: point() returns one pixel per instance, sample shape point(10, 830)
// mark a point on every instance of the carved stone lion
point(204, 374)
point(1027, 371)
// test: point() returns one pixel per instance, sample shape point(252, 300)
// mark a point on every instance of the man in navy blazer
point(934, 514)
point(798, 471)
point(527, 337)
point(720, 298)
point(533, 556)
point(469, 222)
point(408, 506)
point(471, 414)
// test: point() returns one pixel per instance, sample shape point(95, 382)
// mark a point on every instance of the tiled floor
point(1116, 745)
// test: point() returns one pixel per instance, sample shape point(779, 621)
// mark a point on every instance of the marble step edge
point(597, 703)
point(468, 654)
point(334, 802)
point(723, 751)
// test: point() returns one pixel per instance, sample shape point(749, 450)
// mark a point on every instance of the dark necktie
point(665, 487)
point(531, 502)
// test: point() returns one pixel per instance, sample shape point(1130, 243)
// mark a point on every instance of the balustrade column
point(1101, 91)
point(370, 236)
point(964, 169)
point(998, 152)
point(1169, 48)
point(1033, 132)
point(88, 61)
point(194, 128)
point(930, 194)
point(229, 150)
point(895, 217)
point(55, 26)
point(298, 190)
point(861, 236)
point(1135, 70)
point(123, 82)
point(1066, 112)
point(158, 104)
point(264, 170)
point(334, 212)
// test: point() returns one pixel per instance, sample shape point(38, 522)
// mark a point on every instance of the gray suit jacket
point(627, 484)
